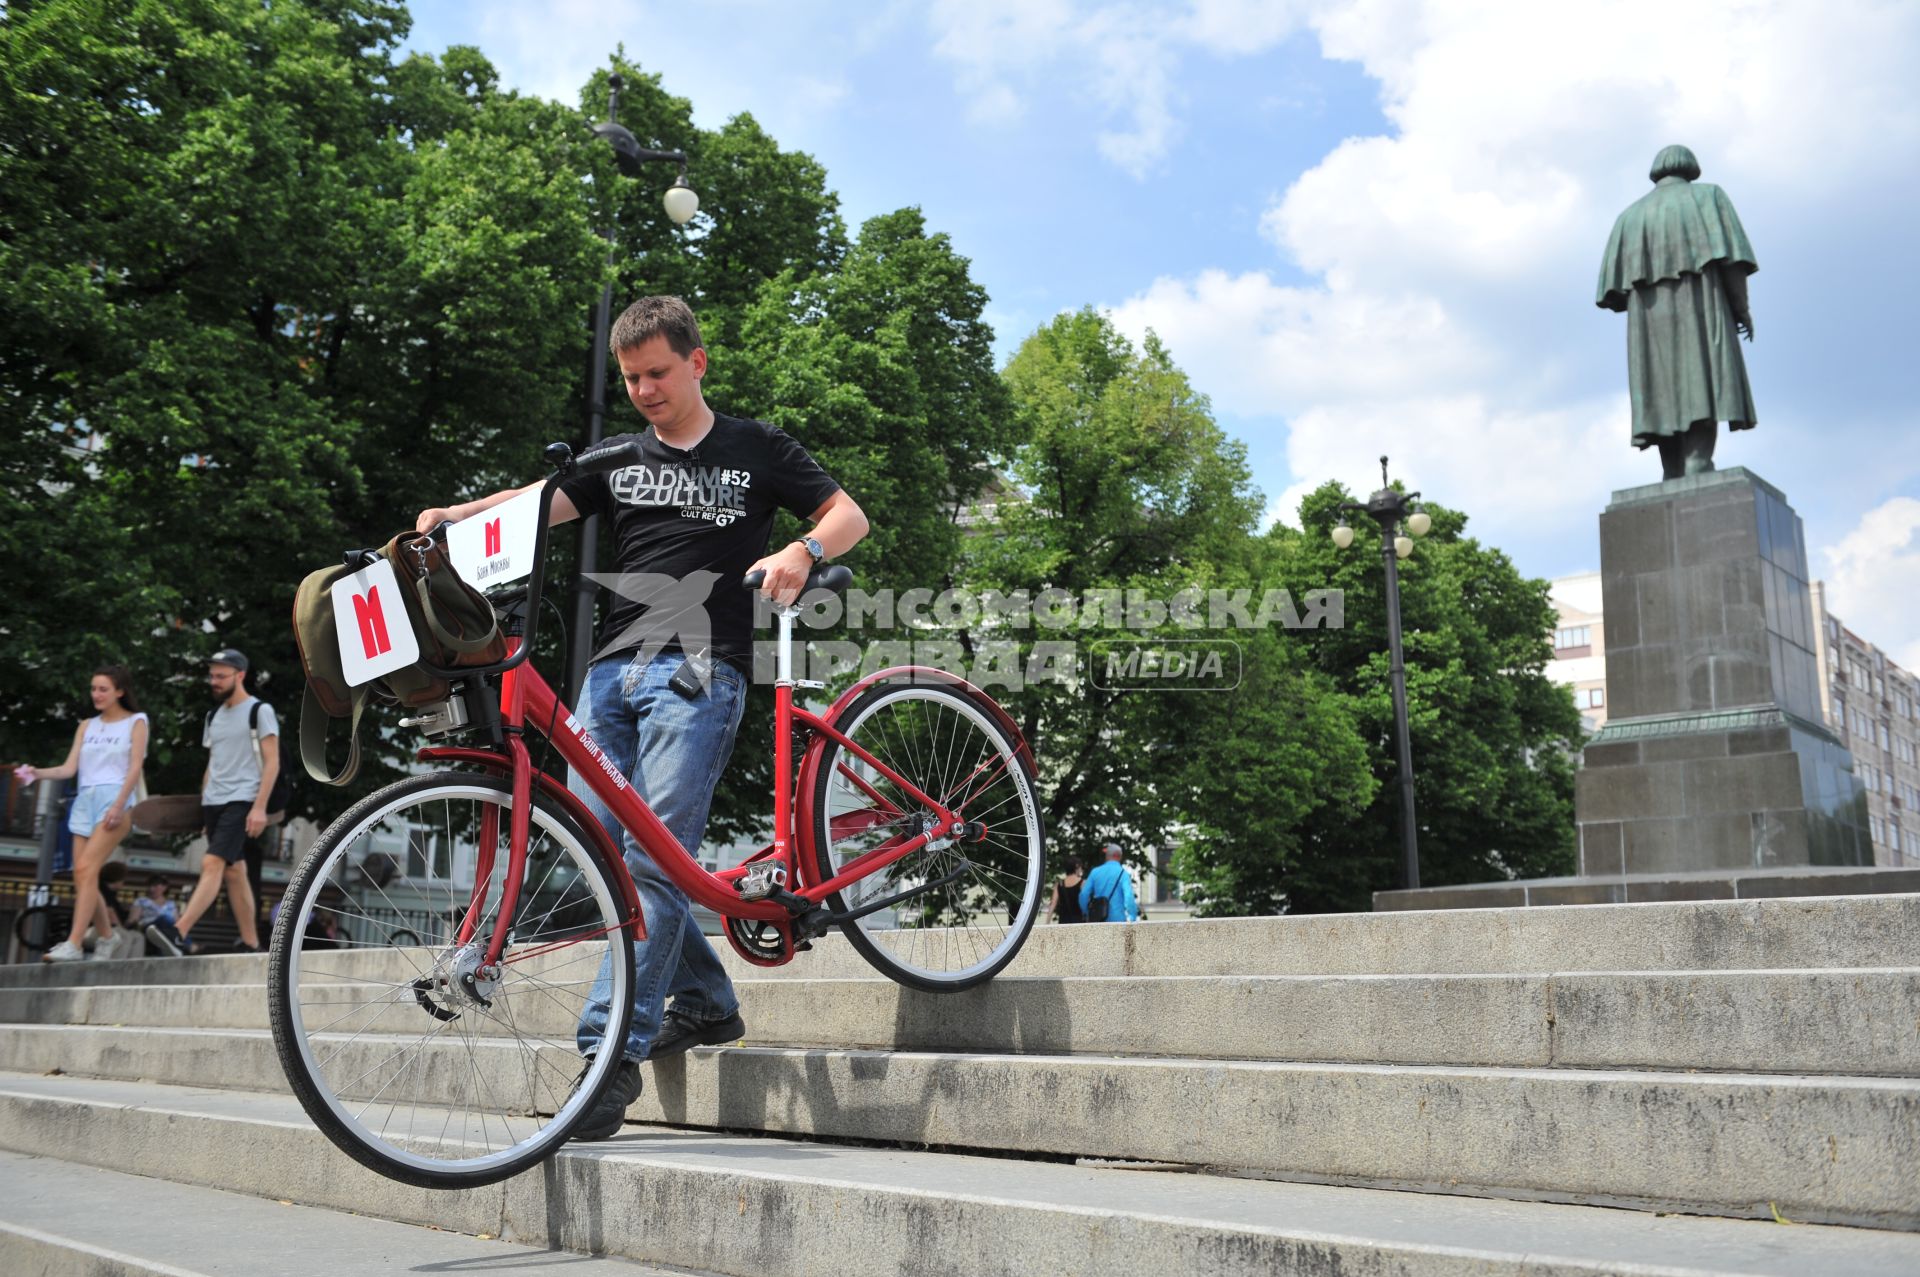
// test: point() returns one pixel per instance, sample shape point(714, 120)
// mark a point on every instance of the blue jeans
point(673, 750)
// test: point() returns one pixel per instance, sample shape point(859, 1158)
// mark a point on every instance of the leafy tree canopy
point(277, 286)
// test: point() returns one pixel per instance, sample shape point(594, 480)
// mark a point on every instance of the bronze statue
point(1677, 263)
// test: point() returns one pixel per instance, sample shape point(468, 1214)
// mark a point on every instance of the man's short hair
point(652, 317)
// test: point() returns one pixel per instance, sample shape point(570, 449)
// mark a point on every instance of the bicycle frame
point(527, 700)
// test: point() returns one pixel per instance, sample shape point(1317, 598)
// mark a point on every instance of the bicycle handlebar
point(824, 576)
point(602, 460)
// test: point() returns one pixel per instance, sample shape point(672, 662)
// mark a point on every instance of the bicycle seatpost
point(835, 577)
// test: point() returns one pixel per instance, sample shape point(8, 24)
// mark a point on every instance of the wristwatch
point(814, 548)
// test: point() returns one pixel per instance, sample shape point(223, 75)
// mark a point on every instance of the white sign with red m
point(496, 546)
point(371, 620)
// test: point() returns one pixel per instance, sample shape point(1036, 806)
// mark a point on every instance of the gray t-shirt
point(233, 766)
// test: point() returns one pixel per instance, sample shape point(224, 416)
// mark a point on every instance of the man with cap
point(1107, 893)
point(243, 742)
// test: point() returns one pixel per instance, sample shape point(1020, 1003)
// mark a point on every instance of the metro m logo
point(371, 617)
point(371, 643)
point(493, 537)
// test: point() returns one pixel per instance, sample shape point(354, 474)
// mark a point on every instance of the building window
point(1873, 828)
point(1893, 834)
point(1886, 737)
point(1573, 636)
point(1593, 698)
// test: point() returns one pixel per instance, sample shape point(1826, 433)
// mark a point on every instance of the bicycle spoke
point(431, 1061)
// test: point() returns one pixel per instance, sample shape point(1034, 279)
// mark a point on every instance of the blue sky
point(1372, 226)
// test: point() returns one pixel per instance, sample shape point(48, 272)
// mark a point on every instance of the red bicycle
point(911, 823)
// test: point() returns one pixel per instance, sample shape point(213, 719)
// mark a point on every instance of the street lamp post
point(681, 204)
point(1393, 510)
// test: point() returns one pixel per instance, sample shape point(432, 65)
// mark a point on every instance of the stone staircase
point(1711, 1087)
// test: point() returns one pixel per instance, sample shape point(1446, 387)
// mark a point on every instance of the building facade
point(1580, 646)
point(1874, 705)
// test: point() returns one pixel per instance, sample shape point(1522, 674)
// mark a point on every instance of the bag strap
point(253, 730)
point(314, 722)
point(423, 590)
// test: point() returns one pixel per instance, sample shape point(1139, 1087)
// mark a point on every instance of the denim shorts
point(89, 805)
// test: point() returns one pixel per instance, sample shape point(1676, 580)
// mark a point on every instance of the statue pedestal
point(1714, 755)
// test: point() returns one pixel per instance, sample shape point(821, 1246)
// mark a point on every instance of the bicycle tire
point(444, 1075)
point(946, 741)
point(59, 922)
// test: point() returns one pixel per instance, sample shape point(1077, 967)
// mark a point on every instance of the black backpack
point(282, 791)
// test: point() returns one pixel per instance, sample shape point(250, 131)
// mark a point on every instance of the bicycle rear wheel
point(422, 1062)
point(973, 899)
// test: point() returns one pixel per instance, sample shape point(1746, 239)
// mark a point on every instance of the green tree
point(281, 291)
point(1125, 482)
point(1266, 768)
point(1493, 739)
point(277, 287)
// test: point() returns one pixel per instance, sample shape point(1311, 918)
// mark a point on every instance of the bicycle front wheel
point(965, 905)
point(424, 1062)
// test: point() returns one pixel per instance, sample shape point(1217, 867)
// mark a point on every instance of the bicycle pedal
point(761, 880)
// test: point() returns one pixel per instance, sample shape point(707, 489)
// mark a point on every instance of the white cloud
point(991, 41)
point(1873, 578)
point(1125, 59)
point(1445, 317)
point(1238, 27)
point(1263, 348)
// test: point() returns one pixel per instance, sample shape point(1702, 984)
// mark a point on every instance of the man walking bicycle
point(664, 695)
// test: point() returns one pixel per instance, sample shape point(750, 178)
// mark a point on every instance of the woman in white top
point(107, 755)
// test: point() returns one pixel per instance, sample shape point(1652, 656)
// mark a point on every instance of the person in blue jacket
point(1107, 893)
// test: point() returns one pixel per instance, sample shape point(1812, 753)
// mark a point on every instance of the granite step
point(52, 1225)
point(1737, 935)
point(1856, 1022)
point(1832, 1149)
point(743, 1205)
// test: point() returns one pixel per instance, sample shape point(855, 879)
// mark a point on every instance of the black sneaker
point(680, 1032)
point(164, 942)
point(241, 946)
point(604, 1119)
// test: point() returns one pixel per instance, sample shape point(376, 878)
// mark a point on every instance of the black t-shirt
point(687, 524)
